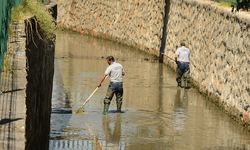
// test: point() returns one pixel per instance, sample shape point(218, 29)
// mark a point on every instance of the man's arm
point(123, 74)
point(176, 57)
point(102, 79)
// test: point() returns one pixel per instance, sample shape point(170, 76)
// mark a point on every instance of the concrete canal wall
point(40, 71)
point(40, 55)
point(133, 22)
point(220, 58)
point(218, 40)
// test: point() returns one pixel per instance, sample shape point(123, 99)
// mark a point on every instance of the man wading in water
point(115, 71)
point(182, 54)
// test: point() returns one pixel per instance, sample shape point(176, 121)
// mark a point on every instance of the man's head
point(110, 59)
point(183, 44)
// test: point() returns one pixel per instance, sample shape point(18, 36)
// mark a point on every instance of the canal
point(156, 115)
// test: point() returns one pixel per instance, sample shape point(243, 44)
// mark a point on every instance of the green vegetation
point(7, 68)
point(45, 21)
point(235, 4)
point(227, 4)
point(43, 16)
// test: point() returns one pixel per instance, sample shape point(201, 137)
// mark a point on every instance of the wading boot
point(106, 108)
point(179, 84)
point(186, 84)
point(119, 108)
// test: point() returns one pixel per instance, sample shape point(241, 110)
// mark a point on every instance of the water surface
point(156, 115)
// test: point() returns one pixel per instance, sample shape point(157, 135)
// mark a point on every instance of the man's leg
point(107, 100)
point(178, 76)
point(186, 77)
point(119, 98)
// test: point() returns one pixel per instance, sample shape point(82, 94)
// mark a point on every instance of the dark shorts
point(116, 86)
point(182, 70)
point(183, 67)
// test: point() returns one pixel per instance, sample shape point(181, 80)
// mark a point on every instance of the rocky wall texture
point(219, 62)
point(218, 40)
point(136, 23)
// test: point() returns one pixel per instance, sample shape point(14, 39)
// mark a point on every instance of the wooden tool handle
point(90, 96)
point(93, 93)
point(168, 56)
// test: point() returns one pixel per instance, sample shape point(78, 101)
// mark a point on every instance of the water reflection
point(180, 105)
point(112, 136)
point(61, 109)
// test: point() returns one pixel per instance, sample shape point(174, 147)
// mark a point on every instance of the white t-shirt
point(183, 54)
point(115, 71)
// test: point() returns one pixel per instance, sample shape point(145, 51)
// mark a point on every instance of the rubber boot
point(179, 84)
point(186, 84)
point(119, 108)
point(106, 108)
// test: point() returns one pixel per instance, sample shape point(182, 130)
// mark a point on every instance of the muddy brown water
point(156, 115)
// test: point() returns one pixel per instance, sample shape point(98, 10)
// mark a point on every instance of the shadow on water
point(115, 111)
point(61, 110)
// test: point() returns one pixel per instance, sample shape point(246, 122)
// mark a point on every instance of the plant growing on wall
point(242, 4)
point(42, 14)
point(235, 4)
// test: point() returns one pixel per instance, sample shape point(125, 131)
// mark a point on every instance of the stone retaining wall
point(133, 22)
point(218, 40)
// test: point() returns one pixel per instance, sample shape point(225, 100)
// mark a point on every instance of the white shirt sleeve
point(108, 70)
point(177, 52)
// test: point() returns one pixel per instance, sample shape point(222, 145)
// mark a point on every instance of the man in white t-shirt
point(116, 73)
point(182, 54)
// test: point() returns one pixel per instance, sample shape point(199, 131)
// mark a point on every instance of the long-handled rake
point(168, 57)
point(81, 109)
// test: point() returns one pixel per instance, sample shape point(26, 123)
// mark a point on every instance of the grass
point(43, 16)
point(7, 68)
point(45, 20)
point(226, 4)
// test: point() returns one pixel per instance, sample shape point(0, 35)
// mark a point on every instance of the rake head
point(81, 109)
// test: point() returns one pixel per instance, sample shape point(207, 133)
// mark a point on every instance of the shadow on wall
point(164, 34)
point(4, 121)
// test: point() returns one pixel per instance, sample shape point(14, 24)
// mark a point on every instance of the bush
point(42, 14)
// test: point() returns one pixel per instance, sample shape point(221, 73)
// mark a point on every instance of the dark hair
point(182, 44)
point(111, 58)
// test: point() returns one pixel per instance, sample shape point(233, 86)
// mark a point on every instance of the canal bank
point(237, 138)
point(156, 114)
point(13, 100)
point(218, 40)
point(27, 78)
